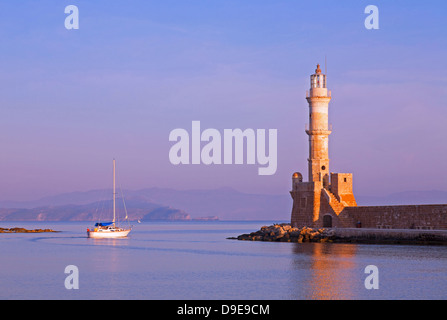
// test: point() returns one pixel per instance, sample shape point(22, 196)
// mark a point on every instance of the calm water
point(194, 260)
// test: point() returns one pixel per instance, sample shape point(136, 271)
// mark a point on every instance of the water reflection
point(330, 267)
point(108, 264)
point(109, 242)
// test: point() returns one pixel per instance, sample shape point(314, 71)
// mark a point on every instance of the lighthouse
point(319, 201)
point(327, 199)
point(318, 128)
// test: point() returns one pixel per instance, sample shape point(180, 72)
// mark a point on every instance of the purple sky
point(72, 100)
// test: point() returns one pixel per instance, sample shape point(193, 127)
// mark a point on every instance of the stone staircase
point(336, 205)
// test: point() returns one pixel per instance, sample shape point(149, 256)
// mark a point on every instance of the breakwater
point(287, 233)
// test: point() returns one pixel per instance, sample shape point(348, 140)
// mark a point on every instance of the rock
point(286, 233)
point(23, 230)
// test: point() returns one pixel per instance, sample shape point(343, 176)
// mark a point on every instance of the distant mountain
point(96, 211)
point(154, 203)
point(166, 213)
point(225, 203)
point(170, 204)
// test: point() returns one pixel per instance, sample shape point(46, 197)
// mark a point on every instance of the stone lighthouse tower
point(319, 202)
point(327, 200)
point(318, 129)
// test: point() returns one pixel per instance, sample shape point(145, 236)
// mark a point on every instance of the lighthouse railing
point(329, 93)
point(328, 128)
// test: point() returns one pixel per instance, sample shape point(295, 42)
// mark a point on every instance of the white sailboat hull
point(108, 234)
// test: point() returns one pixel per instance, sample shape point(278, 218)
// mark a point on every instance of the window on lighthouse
point(314, 82)
point(318, 81)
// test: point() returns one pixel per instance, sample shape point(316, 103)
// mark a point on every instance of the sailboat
point(109, 229)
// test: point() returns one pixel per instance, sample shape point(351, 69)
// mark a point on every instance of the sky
point(72, 100)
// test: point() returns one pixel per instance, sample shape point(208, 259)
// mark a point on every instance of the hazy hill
point(169, 204)
point(96, 211)
point(153, 203)
point(226, 203)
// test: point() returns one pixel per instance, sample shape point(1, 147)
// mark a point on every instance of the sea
point(195, 260)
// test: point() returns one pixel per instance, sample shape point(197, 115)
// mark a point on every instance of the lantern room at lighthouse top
point(318, 84)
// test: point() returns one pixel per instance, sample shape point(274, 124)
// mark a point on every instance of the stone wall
point(397, 217)
point(306, 203)
point(317, 207)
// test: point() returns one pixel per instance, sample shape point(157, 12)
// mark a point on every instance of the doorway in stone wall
point(327, 221)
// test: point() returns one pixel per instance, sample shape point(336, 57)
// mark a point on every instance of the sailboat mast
point(114, 193)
